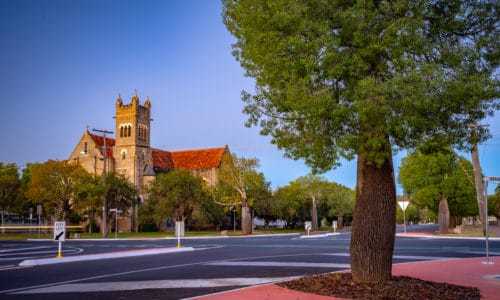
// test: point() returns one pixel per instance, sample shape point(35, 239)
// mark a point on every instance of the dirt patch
point(341, 285)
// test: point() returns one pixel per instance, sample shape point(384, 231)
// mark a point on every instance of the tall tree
point(437, 178)
point(121, 195)
point(54, 184)
point(339, 79)
point(313, 188)
point(9, 186)
point(239, 174)
point(340, 200)
point(174, 195)
point(289, 205)
point(261, 199)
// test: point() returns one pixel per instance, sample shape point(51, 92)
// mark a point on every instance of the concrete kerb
point(432, 236)
point(131, 253)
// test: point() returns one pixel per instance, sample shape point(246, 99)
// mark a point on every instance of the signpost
point(334, 226)
point(117, 211)
point(39, 210)
point(486, 234)
point(179, 231)
point(404, 204)
point(308, 226)
point(31, 218)
point(59, 235)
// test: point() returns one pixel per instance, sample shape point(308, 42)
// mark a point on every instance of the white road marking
point(131, 253)
point(409, 257)
point(152, 284)
point(21, 249)
point(279, 264)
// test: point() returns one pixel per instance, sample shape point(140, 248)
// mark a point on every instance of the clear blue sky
point(63, 64)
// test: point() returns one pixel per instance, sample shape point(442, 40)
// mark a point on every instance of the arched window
point(129, 133)
point(121, 131)
point(124, 154)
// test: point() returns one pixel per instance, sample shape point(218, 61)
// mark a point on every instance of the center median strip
point(131, 253)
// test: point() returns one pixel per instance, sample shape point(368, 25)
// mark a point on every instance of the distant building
point(130, 153)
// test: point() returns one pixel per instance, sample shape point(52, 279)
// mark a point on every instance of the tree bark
point(314, 214)
point(374, 223)
point(478, 180)
point(246, 220)
point(443, 215)
point(340, 220)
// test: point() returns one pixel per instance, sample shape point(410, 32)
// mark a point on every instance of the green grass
point(473, 231)
point(145, 235)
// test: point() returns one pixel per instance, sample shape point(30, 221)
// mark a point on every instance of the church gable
point(99, 142)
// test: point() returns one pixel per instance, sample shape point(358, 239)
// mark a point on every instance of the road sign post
point(308, 227)
point(403, 204)
point(59, 235)
point(117, 211)
point(334, 226)
point(179, 231)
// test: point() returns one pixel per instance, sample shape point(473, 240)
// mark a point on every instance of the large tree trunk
point(443, 215)
point(374, 223)
point(246, 221)
point(478, 180)
point(314, 214)
point(340, 220)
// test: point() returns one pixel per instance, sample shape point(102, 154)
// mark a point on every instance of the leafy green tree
point(494, 203)
point(339, 79)
point(439, 179)
point(54, 184)
point(236, 177)
point(174, 195)
point(209, 212)
point(9, 187)
point(88, 200)
point(313, 188)
point(261, 200)
point(290, 205)
point(340, 201)
point(120, 194)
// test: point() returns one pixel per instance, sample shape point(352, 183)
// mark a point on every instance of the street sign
point(308, 225)
point(403, 204)
point(59, 231)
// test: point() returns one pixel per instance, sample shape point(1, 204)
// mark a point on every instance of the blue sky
point(63, 64)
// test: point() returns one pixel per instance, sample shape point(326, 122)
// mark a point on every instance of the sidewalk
point(467, 272)
point(472, 272)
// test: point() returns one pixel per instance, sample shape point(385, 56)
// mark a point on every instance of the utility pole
point(478, 178)
point(104, 175)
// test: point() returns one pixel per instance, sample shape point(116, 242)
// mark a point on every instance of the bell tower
point(132, 150)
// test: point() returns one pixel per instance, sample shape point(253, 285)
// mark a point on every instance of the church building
point(130, 152)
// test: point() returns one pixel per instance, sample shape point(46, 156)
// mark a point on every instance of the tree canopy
point(55, 185)
point(434, 174)
point(339, 79)
point(240, 182)
point(174, 195)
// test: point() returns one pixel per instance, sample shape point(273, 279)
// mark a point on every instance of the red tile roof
point(188, 159)
point(162, 159)
point(99, 140)
point(198, 159)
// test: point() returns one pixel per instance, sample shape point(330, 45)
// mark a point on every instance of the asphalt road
point(215, 265)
